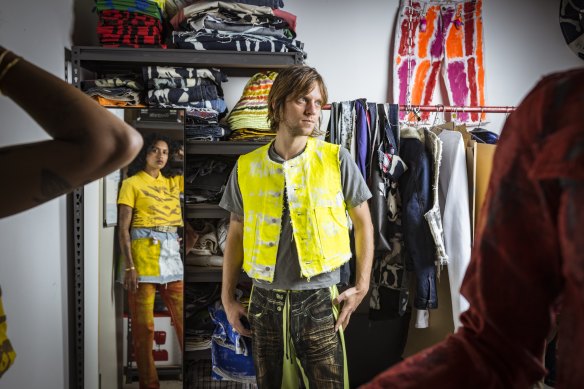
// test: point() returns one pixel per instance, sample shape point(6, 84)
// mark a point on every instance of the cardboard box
point(479, 157)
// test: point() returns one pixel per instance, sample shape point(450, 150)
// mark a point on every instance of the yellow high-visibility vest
point(317, 206)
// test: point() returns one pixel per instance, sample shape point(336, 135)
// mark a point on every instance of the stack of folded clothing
point(249, 119)
point(206, 177)
point(179, 87)
point(202, 124)
point(198, 324)
point(208, 243)
point(172, 7)
point(233, 26)
point(130, 23)
point(116, 90)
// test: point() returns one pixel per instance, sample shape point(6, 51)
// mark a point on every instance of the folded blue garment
point(230, 352)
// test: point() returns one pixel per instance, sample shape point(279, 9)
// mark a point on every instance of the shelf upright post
point(75, 259)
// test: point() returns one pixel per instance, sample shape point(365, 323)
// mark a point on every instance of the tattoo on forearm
point(52, 185)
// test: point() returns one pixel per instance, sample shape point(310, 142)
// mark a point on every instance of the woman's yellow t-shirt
point(156, 201)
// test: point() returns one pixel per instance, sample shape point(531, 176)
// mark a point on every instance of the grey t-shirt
point(287, 274)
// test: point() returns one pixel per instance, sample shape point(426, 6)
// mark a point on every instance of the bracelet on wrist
point(130, 268)
point(7, 67)
point(4, 53)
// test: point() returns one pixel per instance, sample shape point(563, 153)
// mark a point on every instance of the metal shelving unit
point(207, 274)
point(86, 60)
point(103, 60)
point(224, 148)
point(205, 211)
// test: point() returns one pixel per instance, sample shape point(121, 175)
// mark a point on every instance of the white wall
point(350, 43)
point(347, 41)
point(34, 243)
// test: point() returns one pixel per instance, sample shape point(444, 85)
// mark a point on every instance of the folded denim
point(268, 29)
point(203, 138)
point(205, 131)
point(150, 72)
point(177, 82)
point(128, 81)
point(218, 105)
point(201, 115)
point(183, 95)
point(211, 40)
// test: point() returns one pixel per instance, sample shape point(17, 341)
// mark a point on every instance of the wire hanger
point(480, 118)
point(439, 108)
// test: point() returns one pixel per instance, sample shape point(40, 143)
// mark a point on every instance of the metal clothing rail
point(450, 108)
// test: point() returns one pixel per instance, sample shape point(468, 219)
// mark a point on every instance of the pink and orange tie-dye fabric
point(435, 37)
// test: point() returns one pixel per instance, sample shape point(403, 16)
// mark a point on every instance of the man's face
point(301, 115)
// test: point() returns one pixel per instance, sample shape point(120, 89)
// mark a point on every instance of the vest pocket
point(332, 229)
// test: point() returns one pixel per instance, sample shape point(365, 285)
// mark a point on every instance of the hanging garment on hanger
point(461, 128)
point(362, 141)
point(454, 208)
point(482, 135)
point(416, 196)
point(336, 130)
point(342, 124)
point(448, 38)
point(387, 168)
point(332, 126)
point(434, 147)
point(444, 126)
point(390, 288)
point(373, 139)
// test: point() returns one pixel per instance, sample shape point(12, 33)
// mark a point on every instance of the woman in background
point(149, 217)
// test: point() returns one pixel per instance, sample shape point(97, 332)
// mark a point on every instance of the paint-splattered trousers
point(293, 336)
point(141, 304)
point(439, 37)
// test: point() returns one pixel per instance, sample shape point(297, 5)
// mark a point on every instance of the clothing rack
point(450, 108)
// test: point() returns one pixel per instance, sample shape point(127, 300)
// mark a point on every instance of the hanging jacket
point(312, 182)
point(433, 146)
point(416, 196)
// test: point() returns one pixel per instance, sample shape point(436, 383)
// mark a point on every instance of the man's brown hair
point(290, 84)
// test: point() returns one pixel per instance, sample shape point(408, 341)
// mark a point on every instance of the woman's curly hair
point(139, 163)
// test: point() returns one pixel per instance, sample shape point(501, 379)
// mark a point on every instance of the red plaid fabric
point(528, 257)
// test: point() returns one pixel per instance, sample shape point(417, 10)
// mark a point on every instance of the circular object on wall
point(572, 25)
